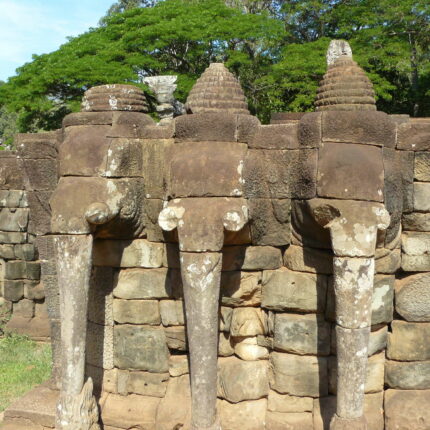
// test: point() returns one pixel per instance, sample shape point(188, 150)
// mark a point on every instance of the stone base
point(33, 411)
point(36, 328)
point(215, 426)
point(338, 423)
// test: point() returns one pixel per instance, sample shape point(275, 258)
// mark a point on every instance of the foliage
point(8, 127)
point(276, 49)
point(23, 364)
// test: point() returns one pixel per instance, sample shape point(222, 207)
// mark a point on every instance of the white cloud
point(34, 27)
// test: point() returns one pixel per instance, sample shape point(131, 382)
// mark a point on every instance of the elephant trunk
point(201, 273)
point(77, 408)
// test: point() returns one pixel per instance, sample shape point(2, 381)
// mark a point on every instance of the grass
point(23, 364)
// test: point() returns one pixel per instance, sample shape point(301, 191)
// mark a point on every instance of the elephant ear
point(171, 216)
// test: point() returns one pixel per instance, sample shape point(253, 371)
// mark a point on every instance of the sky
point(30, 27)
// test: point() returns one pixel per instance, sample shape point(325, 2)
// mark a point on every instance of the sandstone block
point(225, 318)
point(130, 124)
point(13, 219)
point(302, 334)
point(413, 297)
point(371, 128)
point(142, 284)
point(130, 411)
point(413, 375)
point(387, 261)
point(225, 345)
point(141, 348)
point(310, 260)
point(34, 291)
point(247, 127)
point(174, 410)
point(416, 221)
point(5, 309)
point(25, 252)
point(100, 298)
point(299, 375)
point(407, 410)
point(289, 421)
point(88, 118)
point(310, 134)
point(422, 167)
point(240, 380)
point(7, 252)
point(12, 237)
point(40, 212)
point(11, 177)
point(13, 290)
point(247, 348)
point(415, 263)
point(248, 322)
point(409, 341)
point(124, 158)
point(284, 289)
point(42, 174)
point(135, 253)
point(249, 415)
point(21, 270)
point(286, 403)
point(172, 312)
point(415, 243)
point(203, 127)
point(241, 288)
point(147, 384)
point(422, 196)
point(276, 136)
point(413, 136)
point(136, 312)
point(24, 308)
point(178, 365)
point(176, 338)
point(251, 258)
point(206, 170)
point(341, 174)
point(383, 299)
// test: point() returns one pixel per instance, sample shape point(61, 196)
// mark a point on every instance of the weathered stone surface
point(408, 376)
point(248, 322)
point(415, 263)
point(241, 288)
point(406, 410)
point(13, 219)
point(203, 127)
point(124, 158)
point(42, 174)
point(416, 221)
point(172, 312)
point(341, 175)
point(310, 130)
point(7, 252)
point(191, 164)
point(415, 243)
point(100, 299)
point(142, 284)
point(147, 384)
point(422, 196)
point(178, 365)
point(276, 136)
point(130, 411)
point(251, 258)
point(284, 289)
point(24, 308)
point(130, 124)
point(36, 328)
point(413, 136)
point(11, 177)
point(310, 260)
point(88, 118)
point(247, 348)
point(225, 316)
point(175, 408)
point(408, 341)
point(249, 415)
point(136, 312)
point(140, 347)
point(100, 345)
point(374, 377)
point(25, 252)
point(292, 173)
point(270, 221)
point(247, 128)
point(21, 270)
point(12, 237)
point(422, 166)
point(40, 212)
point(413, 297)
point(13, 199)
point(176, 338)
point(13, 290)
point(225, 345)
point(302, 334)
point(325, 408)
point(125, 253)
point(289, 421)
point(240, 380)
point(299, 375)
point(371, 128)
point(286, 403)
point(5, 309)
point(387, 261)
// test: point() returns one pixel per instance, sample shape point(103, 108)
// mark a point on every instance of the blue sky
point(40, 26)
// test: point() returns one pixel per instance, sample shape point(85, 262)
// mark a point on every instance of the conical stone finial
point(217, 90)
point(115, 97)
point(345, 86)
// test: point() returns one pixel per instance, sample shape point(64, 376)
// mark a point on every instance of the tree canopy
point(276, 49)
